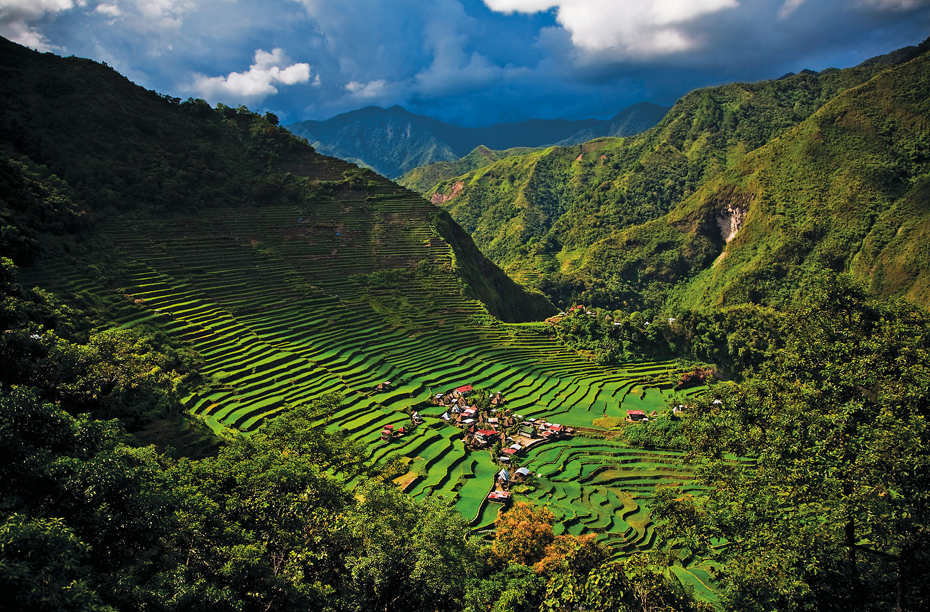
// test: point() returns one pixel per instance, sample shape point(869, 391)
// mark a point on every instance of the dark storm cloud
point(468, 61)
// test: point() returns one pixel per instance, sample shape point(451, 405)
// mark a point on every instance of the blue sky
point(471, 62)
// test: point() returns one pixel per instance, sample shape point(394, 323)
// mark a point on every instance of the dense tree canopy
point(833, 511)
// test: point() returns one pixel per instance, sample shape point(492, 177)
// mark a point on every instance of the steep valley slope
point(628, 223)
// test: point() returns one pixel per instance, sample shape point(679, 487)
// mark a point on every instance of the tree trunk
point(900, 598)
point(851, 552)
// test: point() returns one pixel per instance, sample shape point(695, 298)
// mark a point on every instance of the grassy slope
point(423, 178)
point(123, 147)
point(846, 189)
point(537, 214)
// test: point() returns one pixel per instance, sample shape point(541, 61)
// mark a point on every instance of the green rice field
point(286, 304)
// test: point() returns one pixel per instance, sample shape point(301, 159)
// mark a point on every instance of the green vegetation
point(270, 293)
point(735, 339)
point(832, 512)
point(246, 293)
point(394, 141)
point(423, 178)
point(734, 197)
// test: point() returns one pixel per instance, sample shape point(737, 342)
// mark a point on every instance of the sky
point(468, 62)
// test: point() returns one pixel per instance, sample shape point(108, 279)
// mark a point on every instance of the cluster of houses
point(639, 416)
point(389, 432)
point(486, 428)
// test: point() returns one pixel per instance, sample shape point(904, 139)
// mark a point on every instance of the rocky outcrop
point(730, 220)
point(439, 198)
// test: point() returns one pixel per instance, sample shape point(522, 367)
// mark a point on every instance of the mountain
point(203, 264)
point(389, 141)
point(633, 120)
point(423, 178)
point(628, 122)
point(848, 189)
point(394, 141)
point(599, 222)
point(125, 149)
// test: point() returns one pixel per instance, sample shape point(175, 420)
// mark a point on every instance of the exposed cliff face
point(730, 220)
point(440, 198)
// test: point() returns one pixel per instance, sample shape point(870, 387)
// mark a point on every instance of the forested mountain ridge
point(633, 120)
point(628, 122)
point(538, 215)
point(845, 190)
point(118, 145)
point(394, 141)
point(423, 178)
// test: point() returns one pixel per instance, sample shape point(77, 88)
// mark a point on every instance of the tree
point(832, 513)
point(522, 534)
point(406, 554)
point(41, 567)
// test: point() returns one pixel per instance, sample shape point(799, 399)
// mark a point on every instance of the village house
point(485, 437)
point(503, 478)
point(636, 416)
point(463, 391)
point(500, 497)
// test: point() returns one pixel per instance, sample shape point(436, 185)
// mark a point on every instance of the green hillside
point(423, 178)
point(277, 277)
point(199, 279)
point(844, 190)
point(563, 219)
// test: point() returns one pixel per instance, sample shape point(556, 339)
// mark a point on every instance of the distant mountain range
point(394, 141)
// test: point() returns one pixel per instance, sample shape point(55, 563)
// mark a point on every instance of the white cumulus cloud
point(630, 27)
point(268, 70)
point(110, 10)
point(370, 90)
point(17, 17)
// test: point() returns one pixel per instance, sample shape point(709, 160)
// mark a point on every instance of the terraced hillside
point(292, 274)
point(602, 487)
point(288, 303)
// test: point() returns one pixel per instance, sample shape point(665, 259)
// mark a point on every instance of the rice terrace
point(238, 374)
point(276, 302)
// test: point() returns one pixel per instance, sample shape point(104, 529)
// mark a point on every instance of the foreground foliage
point(833, 514)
